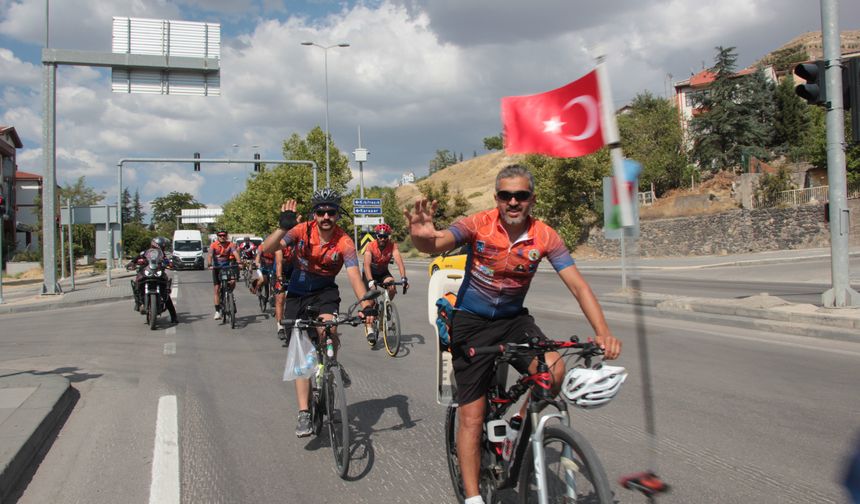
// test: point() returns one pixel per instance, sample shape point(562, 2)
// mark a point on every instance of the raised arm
point(286, 221)
point(424, 235)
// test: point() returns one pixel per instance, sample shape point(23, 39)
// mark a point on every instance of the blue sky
point(420, 75)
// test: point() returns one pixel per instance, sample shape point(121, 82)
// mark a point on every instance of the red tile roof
point(22, 175)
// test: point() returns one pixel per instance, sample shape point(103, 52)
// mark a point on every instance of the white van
point(188, 249)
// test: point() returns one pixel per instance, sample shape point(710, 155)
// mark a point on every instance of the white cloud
point(419, 75)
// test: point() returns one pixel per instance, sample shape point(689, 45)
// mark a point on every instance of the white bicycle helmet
point(590, 388)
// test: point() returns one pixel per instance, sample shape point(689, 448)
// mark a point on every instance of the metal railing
point(646, 198)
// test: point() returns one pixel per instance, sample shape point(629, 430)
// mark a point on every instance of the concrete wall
point(733, 232)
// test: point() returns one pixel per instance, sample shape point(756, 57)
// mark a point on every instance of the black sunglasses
point(517, 195)
point(382, 236)
point(331, 212)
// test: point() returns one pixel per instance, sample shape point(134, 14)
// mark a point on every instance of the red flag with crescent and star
point(565, 122)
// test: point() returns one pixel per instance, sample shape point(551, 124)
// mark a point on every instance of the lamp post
point(325, 51)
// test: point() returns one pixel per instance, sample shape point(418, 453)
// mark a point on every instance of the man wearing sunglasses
point(506, 246)
point(377, 256)
point(222, 253)
point(321, 250)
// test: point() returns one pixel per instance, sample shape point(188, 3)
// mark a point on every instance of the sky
point(419, 76)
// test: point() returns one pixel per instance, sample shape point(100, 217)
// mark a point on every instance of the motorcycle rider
point(158, 243)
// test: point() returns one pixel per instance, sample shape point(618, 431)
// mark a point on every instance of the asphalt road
point(742, 416)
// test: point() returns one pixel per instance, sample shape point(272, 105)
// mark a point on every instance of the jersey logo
point(479, 246)
point(534, 254)
point(520, 268)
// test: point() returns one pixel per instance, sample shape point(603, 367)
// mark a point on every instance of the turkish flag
point(564, 122)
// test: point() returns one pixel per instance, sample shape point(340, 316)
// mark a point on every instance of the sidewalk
point(89, 290)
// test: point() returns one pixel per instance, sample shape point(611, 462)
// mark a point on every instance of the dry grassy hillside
point(474, 178)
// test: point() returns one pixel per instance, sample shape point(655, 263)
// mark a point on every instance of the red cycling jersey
point(499, 270)
point(316, 264)
point(222, 253)
point(379, 258)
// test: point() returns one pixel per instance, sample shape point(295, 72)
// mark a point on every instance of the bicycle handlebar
point(391, 283)
point(587, 349)
point(340, 318)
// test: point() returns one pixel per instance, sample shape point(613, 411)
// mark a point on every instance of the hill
point(474, 178)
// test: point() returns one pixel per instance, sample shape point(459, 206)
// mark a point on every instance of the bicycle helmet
point(382, 229)
point(158, 242)
point(326, 196)
point(590, 388)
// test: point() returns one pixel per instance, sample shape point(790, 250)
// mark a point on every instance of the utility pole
point(840, 294)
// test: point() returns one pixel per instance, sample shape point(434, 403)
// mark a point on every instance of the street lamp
point(325, 51)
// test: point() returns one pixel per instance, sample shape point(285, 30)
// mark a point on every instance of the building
point(9, 144)
point(407, 178)
point(28, 191)
point(688, 93)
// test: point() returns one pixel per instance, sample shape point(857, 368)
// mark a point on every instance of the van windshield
point(187, 246)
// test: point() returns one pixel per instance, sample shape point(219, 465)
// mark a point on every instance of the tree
point(137, 212)
point(450, 207)
point(651, 134)
point(167, 209)
point(444, 158)
point(569, 191)
point(770, 186)
point(731, 126)
point(80, 194)
point(136, 237)
point(791, 121)
point(256, 209)
point(494, 143)
point(126, 205)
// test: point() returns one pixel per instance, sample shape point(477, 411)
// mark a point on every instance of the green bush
point(28, 256)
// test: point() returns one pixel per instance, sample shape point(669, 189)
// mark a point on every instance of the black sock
point(217, 307)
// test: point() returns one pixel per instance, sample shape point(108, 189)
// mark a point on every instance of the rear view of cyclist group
point(506, 244)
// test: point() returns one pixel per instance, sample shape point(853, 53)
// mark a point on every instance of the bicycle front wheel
point(337, 419)
point(391, 329)
point(231, 308)
point(573, 472)
point(486, 485)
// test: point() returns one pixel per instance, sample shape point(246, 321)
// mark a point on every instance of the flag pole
point(612, 138)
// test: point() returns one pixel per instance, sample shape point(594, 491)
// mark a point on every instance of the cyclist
point(506, 246)
point(322, 249)
point(283, 270)
point(265, 268)
point(247, 250)
point(221, 253)
point(377, 255)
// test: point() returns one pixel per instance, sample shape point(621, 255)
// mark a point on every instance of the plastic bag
point(301, 356)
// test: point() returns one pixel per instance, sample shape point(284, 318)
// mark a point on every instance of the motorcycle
point(155, 287)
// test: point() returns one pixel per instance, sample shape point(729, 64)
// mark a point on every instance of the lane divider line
point(170, 331)
point(164, 488)
point(170, 348)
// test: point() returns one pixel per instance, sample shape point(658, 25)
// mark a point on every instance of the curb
point(26, 431)
point(715, 311)
point(33, 307)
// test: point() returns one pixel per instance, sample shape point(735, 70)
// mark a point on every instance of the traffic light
point(814, 91)
point(196, 163)
point(257, 166)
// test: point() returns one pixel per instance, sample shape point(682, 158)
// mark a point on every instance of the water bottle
point(329, 348)
point(511, 439)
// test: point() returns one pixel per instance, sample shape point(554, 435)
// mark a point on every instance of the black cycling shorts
point(474, 375)
point(327, 300)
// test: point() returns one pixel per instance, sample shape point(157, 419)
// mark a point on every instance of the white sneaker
point(217, 315)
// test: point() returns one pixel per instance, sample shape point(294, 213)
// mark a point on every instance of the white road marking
point(164, 488)
point(170, 331)
point(174, 291)
point(170, 348)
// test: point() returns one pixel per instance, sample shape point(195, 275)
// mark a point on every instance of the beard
point(514, 221)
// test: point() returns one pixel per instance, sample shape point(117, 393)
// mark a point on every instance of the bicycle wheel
point(337, 418)
point(231, 304)
point(573, 471)
point(391, 329)
point(486, 486)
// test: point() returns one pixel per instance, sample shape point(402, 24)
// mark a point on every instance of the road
point(742, 416)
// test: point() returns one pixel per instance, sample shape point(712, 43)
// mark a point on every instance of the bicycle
point(266, 292)
point(557, 464)
point(388, 322)
point(328, 397)
point(247, 272)
point(227, 300)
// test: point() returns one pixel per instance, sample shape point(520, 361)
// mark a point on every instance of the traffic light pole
point(840, 294)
